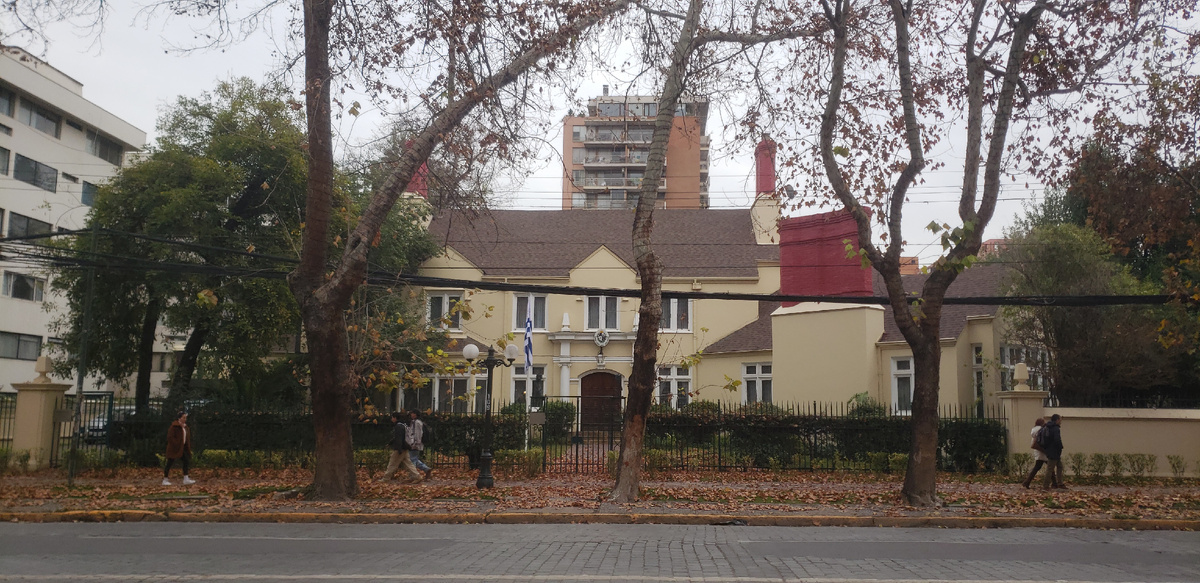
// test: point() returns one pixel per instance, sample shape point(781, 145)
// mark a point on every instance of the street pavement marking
point(473, 577)
point(224, 537)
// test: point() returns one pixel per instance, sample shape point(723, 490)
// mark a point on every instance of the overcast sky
point(131, 72)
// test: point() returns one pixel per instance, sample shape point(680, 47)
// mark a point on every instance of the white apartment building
point(55, 147)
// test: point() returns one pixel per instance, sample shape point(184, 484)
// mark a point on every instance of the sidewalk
point(751, 498)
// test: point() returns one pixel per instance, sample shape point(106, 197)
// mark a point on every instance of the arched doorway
point(600, 401)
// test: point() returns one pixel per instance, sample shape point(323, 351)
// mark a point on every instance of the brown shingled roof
point(690, 242)
point(984, 279)
point(752, 337)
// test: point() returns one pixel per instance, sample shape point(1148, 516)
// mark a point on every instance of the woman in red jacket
point(179, 447)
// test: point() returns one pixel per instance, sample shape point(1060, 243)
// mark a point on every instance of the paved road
point(585, 553)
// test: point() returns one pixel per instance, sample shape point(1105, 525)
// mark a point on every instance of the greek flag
point(529, 337)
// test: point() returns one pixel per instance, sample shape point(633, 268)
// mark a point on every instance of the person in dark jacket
point(179, 447)
point(1052, 445)
point(400, 456)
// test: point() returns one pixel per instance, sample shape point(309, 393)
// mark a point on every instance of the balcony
point(616, 159)
point(593, 182)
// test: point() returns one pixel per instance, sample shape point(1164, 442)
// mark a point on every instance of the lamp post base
point(485, 479)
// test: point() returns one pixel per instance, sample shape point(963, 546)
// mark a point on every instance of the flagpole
point(528, 366)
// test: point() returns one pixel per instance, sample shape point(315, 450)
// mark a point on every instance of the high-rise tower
point(606, 152)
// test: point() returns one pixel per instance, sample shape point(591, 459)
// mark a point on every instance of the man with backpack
point(400, 452)
point(418, 436)
point(1050, 441)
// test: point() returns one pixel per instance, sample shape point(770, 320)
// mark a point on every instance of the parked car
point(95, 431)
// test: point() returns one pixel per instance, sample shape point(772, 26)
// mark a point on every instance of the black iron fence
point(575, 435)
point(8, 418)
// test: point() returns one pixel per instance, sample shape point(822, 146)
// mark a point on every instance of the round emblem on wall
point(601, 338)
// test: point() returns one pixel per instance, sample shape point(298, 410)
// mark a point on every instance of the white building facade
point(55, 148)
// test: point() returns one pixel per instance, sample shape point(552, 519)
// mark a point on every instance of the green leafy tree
point(1094, 351)
point(180, 232)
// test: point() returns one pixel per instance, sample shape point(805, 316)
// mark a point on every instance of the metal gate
point(92, 435)
point(582, 446)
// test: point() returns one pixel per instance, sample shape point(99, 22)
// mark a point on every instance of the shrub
point(560, 418)
point(898, 463)
point(1078, 463)
point(877, 461)
point(1116, 465)
point(373, 460)
point(1178, 465)
point(5, 456)
point(1140, 464)
point(1020, 463)
point(1097, 465)
point(516, 463)
point(655, 461)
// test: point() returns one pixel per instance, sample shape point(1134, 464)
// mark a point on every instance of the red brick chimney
point(812, 257)
point(764, 166)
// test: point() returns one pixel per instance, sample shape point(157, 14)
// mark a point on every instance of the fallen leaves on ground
point(453, 490)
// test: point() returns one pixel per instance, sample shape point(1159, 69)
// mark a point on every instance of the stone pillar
point(35, 429)
point(1021, 408)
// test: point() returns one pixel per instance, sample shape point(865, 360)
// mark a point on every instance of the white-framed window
point(23, 287)
point(162, 362)
point(1037, 360)
point(578, 133)
point(677, 315)
point(902, 385)
point(533, 384)
point(38, 117)
point(977, 374)
point(522, 302)
point(601, 312)
point(442, 310)
point(756, 378)
point(674, 386)
point(20, 346)
point(451, 393)
point(578, 155)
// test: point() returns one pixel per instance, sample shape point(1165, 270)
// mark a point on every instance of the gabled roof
point(517, 243)
point(984, 279)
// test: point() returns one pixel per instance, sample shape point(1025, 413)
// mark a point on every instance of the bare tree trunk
point(920, 478)
point(321, 309)
point(181, 380)
point(141, 391)
point(643, 377)
point(323, 297)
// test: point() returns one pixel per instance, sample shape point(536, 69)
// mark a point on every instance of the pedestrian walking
point(179, 447)
point(416, 442)
point(1050, 439)
point(400, 457)
point(1039, 456)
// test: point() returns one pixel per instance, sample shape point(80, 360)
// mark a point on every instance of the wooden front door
point(600, 401)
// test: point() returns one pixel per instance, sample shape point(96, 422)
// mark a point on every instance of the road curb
point(601, 518)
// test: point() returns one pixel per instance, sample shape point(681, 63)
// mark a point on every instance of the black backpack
point(1043, 437)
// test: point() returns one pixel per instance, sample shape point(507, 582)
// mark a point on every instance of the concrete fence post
point(35, 427)
point(1021, 408)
